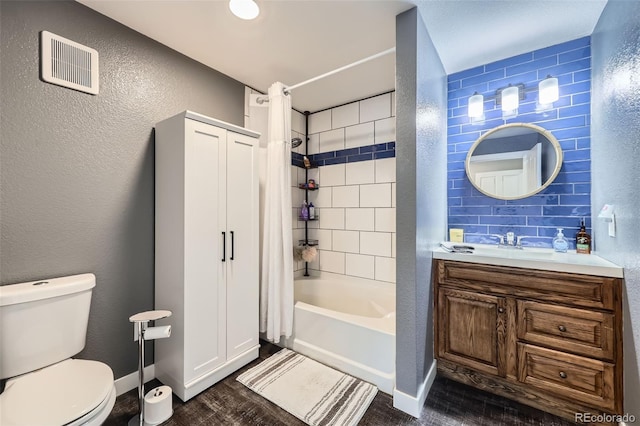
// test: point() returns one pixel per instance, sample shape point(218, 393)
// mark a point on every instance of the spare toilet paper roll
point(151, 333)
point(157, 405)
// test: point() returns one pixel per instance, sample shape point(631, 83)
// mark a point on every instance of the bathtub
point(347, 323)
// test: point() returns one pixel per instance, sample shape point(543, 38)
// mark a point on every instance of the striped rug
point(314, 393)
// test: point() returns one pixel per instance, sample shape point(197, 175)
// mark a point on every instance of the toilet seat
point(59, 394)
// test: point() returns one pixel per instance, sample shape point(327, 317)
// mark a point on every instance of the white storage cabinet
point(206, 250)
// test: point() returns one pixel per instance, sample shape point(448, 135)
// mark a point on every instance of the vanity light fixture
point(476, 107)
point(547, 93)
point(510, 99)
point(244, 9)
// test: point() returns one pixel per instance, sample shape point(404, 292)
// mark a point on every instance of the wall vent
point(67, 63)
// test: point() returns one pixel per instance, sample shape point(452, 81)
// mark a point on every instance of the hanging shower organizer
point(306, 187)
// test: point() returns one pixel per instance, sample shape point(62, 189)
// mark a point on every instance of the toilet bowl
point(71, 392)
point(43, 324)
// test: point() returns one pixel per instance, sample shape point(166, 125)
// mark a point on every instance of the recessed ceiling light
point(244, 9)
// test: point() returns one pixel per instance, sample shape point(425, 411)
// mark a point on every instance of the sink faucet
point(500, 239)
point(511, 239)
point(519, 241)
point(508, 240)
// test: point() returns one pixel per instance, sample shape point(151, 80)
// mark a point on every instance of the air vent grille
point(69, 64)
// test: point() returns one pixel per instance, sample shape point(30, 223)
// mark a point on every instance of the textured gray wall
point(421, 156)
point(615, 155)
point(77, 171)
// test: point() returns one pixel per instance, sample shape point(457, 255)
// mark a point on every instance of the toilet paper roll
point(157, 405)
point(152, 333)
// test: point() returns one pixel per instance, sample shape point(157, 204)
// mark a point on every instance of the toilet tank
point(43, 322)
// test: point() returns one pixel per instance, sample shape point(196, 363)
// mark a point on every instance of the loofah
point(309, 254)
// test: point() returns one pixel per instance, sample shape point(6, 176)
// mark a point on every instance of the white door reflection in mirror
point(514, 161)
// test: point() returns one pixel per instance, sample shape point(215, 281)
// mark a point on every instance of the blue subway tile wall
point(563, 203)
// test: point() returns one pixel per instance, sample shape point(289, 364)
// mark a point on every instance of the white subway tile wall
point(359, 265)
point(385, 130)
point(332, 261)
point(361, 219)
point(314, 144)
point(376, 195)
point(345, 115)
point(360, 135)
point(333, 175)
point(355, 200)
point(360, 172)
point(385, 170)
point(332, 140)
point(320, 122)
point(346, 196)
point(347, 241)
point(375, 108)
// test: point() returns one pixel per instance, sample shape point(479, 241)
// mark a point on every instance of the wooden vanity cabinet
point(552, 340)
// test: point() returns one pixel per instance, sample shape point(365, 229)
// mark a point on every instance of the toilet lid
point(55, 395)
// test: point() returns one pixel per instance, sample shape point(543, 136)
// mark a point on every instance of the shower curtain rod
point(288, 89)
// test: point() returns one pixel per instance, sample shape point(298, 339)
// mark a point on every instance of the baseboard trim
point(412, 405)
point(130, 381)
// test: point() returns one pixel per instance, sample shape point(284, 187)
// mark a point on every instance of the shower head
point(296, 142)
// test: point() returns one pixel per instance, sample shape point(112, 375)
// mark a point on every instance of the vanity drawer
point(583, 332)
point(562, 287)
point(569, 376)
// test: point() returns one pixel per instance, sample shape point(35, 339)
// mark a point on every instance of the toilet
point(42, 325)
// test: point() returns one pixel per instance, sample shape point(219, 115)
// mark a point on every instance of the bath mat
point(313, 392)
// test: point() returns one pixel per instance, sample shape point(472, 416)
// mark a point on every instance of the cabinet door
point(242, 244)
point(471, 330)
point(205, 307)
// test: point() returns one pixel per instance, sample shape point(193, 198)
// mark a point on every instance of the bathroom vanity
point(538, 327)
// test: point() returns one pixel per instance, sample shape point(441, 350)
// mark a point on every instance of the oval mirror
point(514, 161)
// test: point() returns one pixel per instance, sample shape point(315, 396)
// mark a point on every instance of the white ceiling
point(295, 40)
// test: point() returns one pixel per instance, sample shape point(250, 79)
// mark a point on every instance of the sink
point(513, 253)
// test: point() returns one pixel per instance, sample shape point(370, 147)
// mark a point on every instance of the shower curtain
point(276, 284)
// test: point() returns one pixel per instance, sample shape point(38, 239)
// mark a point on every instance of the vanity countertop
point(534, 258)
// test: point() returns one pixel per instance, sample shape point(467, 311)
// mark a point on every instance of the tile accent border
point(350, 155)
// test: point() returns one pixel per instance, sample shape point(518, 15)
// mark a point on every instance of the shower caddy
point(307, 242)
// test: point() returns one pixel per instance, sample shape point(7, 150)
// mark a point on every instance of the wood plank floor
point(449, 403)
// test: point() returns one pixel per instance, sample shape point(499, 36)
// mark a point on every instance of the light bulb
point(244, 9)
point(510, 99)
point(548, 91)
point(476, 106)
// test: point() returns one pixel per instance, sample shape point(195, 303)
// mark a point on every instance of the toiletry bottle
point(312, 211)
point(304, 211)
point(583, 240)
point(560, 243)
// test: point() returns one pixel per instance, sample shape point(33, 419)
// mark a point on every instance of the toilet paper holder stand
point(140, 322)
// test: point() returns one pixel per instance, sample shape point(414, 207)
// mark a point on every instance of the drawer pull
point(501, 310)
point(563, 374)
point(562, 328)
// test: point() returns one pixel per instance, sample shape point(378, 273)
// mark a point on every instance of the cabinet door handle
point(563, 374)
point(224, 246)
point(501, 310)
point(562, 328)
point(231, 258)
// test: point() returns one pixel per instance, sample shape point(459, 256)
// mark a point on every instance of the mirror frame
point(538, 129)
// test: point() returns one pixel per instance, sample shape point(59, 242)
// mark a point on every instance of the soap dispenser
point(560, 243)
